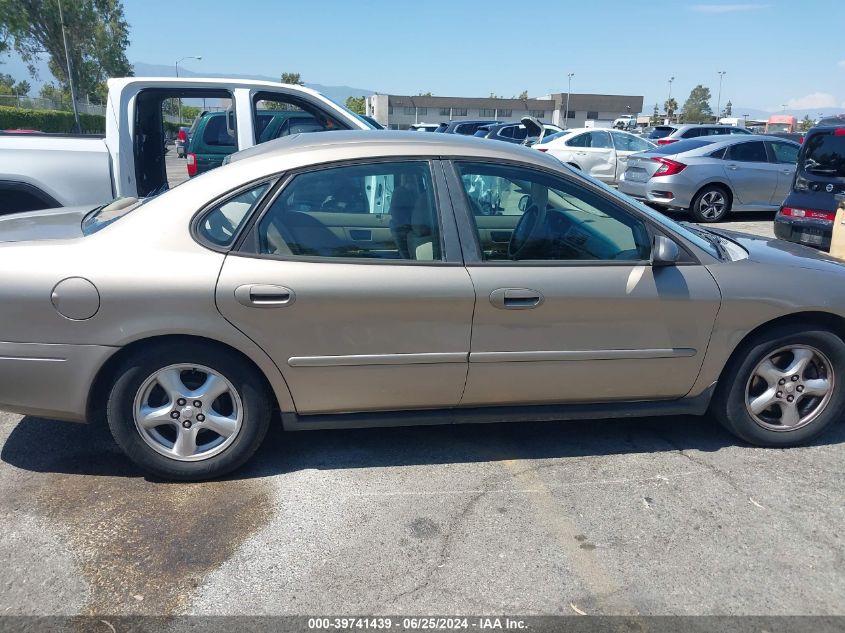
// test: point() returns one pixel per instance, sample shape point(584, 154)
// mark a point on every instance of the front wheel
point(188, 412)
point(711, 204)
point(784, 387)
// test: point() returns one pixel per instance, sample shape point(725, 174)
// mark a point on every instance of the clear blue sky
point(475, 47)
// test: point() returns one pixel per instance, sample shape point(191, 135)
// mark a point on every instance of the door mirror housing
point(664, 251)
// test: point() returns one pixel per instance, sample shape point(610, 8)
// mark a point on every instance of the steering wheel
point(529, 227)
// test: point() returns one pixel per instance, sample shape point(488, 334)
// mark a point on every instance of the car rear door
point(355, 324)
point(594, 154)
point(752, 177)
point(785, 156)
point(581, 316)
point(625, 145)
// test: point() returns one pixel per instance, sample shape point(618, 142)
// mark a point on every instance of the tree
point(8, 86)
point(494, 96)
point(523, 95)
point(729, 108)
point(424, 94)
point(697, 106)
point(59, 96)
point(97, 37)
point(292, 78)
point(356, 104)
point(806, 123)
point(671, 106)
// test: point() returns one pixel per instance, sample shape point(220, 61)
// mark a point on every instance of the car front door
point(599, 157)
point(752, 177)
point(362, 307)
point(785, 156)
point(570, 309)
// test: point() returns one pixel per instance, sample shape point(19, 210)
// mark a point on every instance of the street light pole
point(196, 57)
point(69, 73)
point(671, 79)
point(719, 100)
point(568, 93)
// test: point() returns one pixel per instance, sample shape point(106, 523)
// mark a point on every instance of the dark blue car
point(807, 214)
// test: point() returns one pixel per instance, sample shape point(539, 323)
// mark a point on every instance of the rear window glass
point(660, 131)
point(216, 134)
point(682, 146)
point(824, 155)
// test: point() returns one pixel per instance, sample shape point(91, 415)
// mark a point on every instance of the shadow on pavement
point(50, 446)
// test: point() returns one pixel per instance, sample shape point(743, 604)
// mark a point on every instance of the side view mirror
point(664, 252)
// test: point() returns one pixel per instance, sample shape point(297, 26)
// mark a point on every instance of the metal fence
point(39, 103)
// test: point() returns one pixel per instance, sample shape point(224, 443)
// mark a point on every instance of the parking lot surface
point(653, 516)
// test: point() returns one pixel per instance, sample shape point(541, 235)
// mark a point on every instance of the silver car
point(665, 134)
point(355, 279)
point(711, 177)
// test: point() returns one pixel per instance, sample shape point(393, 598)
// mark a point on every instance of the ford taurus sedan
point(366, 278)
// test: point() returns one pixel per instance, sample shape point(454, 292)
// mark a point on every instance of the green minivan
point(212, 139)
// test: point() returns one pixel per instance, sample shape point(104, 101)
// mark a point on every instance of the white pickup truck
point(39, 171)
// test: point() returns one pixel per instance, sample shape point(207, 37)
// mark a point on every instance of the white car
point(602, 154)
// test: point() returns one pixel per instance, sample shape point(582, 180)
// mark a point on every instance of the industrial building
point(398, 112)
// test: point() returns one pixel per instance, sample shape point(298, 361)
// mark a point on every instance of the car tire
point(711, 204)
point(758, 370)
point(142, 407)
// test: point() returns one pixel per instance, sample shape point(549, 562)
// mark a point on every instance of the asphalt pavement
point(658, 516)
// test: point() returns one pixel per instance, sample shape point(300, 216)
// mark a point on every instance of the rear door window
point(824, 155)
point(785, 153)
point(600, 139)
point(753, 152)
point(629, 142)
point(216, 134)
point(278, 114)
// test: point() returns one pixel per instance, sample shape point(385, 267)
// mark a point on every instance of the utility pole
point(198, 58)
point(719, 100)
point(69, 72)
point(568, 94)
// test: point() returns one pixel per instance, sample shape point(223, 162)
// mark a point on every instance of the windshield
point(824, 155)
point(778, 127)
point(101, 217)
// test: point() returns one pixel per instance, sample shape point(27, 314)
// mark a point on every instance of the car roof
point(715, 142)
point(376, 143)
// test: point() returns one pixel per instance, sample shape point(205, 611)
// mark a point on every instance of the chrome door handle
point(786, 171)
point(733, 167)
point(515, 298)
point(264, 296)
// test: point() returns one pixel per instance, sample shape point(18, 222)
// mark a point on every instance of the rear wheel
point(189, 412)
point(711, 204)
point(784, 387)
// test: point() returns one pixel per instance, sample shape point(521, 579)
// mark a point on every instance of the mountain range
point(335, 93)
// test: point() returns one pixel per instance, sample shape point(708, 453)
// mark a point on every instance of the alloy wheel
point(188, 412)
point(789, 388)
point(712, 205)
